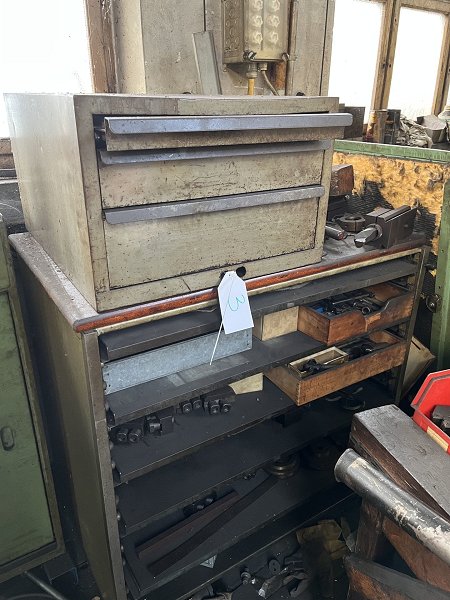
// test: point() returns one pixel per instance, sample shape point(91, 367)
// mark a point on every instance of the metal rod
point(406, 511)
point(293, 23)
point(268, 83)
point(45, 586)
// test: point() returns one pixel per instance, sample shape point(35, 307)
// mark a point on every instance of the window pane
point(416, 63)
point(43, 48)
point(356, 36)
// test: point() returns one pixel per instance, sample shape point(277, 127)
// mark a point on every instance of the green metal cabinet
point(29, 523)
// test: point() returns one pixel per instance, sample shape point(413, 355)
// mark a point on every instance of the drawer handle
point(7, 437)
point(133, 157)
point(118, 216)
point(146, 125)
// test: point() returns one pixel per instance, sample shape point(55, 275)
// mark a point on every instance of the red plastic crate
point(435, 391)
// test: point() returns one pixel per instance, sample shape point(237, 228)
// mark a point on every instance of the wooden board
point(276, 324)
point(302, 391)
point(422, 562)
point(405, 453)
point(371, 581)
point(169, 181)
point(342, 180)
point(255, 383)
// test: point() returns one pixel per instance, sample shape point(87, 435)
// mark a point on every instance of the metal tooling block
point(147, 366)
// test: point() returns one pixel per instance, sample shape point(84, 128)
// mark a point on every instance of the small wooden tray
point(306, 389)
point(333, 329)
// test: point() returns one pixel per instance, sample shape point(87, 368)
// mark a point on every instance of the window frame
point(388, 44)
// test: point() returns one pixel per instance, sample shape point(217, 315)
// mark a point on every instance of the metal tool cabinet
point(124, 494)
point(30, 531)
point(111, 183)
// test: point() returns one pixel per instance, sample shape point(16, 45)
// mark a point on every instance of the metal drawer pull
point(141, 125)
point(131, 157)
point(118, 216)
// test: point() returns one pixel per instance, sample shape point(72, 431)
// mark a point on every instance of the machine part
point(284, 467)
point(212, 406)
point(321, 455)
point(131, 371)
point(405, 510)
point(220, 400)
point(433, 302)
point(369, 234)
point(200, 504)
point(440, 413)
point(197, 404)
point(351, 402)
point(291, 56)
point(252, 74)
point(335, 232)
point(254, 30)
point(186, 407)
point(396, 224)
point(45, 586)
point(274, 566)
point(122, 435)
point(172, 558)
point(263, 70)
point(353, 223)
point(161, 422)
point(225, 406)
point(135, 435)
point(246, 576)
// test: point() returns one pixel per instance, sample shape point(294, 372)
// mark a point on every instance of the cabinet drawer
point(158, 242)
point(306, 389)
point(332, 329)
point(150, 132)
point(138, 178)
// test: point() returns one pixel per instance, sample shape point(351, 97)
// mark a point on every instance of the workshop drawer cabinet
point(138, 197)
point(29, 532)
point(152, 462)
point(396, 304)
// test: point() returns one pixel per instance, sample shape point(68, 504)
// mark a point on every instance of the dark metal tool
point(185, 548)
point(335, 232)
point(387, 227)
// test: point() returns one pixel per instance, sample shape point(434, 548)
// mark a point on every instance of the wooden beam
point(443, 80)
point(370, 581)
point(101, 46)
point(433, 5)
point(425, 565)
point(386, 53)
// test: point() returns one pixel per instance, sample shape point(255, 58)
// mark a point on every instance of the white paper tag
point(234, 306)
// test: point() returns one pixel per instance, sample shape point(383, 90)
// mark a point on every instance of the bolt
point(122, 435)
point(135, 435)
point(186, 407)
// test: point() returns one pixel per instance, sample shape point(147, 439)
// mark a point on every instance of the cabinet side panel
point(75, 407)
point(45, 146)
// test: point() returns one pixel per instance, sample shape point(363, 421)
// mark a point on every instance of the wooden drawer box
point(303, 390)
point(138, 198)
point(332, 329)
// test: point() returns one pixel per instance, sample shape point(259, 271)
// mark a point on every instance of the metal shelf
point(230, 458)
point(272, 517)
point(140, 400)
